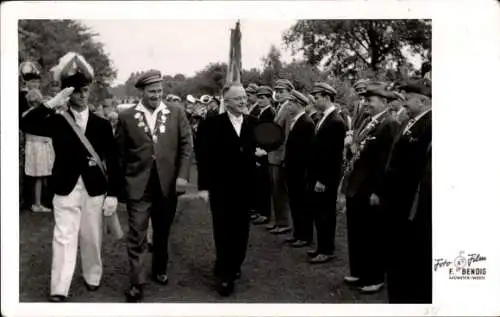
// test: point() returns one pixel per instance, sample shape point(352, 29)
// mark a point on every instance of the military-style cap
point(29, 70)
point(323, 88)
point(299, 97)
point(150, 77)
point(421, 86)
point(283, 84)
point(265, 91)
point(252, 88)
point(379, 91)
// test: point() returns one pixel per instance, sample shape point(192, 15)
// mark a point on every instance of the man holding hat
point(364, 216)
point(325, 171)
point(155, 147)
point(409, 221)
point(298, 149)
point(264, 113)
point(280, 204)
point(226, 179)
point(83, 186)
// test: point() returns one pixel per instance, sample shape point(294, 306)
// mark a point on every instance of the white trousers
point(77, 217)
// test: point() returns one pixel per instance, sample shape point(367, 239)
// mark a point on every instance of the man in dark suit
point(81, 188)
point(298, 147)
point(409, 234)
point(155, 148)
point(226, 176)
point(364, 217)
point(325, 171)
point(264, 113)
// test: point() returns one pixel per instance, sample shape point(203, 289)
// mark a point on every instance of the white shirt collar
point(421, 115)
point(81, 118)
point(234, 118)
point(162, 107)
point(328, 111)
point(380, 114)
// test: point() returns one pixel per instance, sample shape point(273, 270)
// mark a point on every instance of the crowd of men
point(373, 162)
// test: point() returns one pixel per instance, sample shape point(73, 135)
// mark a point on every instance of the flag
point(234, 67)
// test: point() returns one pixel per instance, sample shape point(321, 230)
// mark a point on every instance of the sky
point(184, 46)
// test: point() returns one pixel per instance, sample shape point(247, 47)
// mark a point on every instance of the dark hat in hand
point(150, 77)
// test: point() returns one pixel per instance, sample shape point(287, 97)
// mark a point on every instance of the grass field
point(272, 272)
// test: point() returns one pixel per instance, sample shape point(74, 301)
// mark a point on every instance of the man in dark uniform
point(325, 171)
point(364, 217)
point(155, 150)
point(405, 188)
point(226, 171)
point(264, 113)
point(298, 149)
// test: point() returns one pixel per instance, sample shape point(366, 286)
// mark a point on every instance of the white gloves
point(203, 195)
point(60, 99)
point(109, 206)
point(260, 152)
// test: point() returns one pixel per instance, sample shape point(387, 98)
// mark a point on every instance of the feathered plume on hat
point(73, 71)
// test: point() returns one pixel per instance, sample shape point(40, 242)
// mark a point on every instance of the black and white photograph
point(229, 160)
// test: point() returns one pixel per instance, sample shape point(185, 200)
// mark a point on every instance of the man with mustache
point(154, 146)
point(226, 178)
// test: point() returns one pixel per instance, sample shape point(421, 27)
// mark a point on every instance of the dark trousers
point(263, 191)
point(365, 238)
point(231, 228)
point(323, 206)
point(409, 263)
point(162, 212)
point(301, 217)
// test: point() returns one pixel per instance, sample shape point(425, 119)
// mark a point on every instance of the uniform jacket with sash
point(138, 150)
point(71, 157)
point(405, 166)
point(226, 161)
point(325, 164)
point(369, 168)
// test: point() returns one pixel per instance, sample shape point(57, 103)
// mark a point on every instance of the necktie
point(320, 120)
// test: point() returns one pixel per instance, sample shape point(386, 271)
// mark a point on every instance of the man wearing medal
point(82, 187)
point(155, 148)
point(364, 217)
point(409, 229)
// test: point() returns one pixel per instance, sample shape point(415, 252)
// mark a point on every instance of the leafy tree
point(345, 46)
point(45, 41)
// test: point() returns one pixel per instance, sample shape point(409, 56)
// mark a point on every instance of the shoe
point(351, 280)
point(280, 230)
point(312, 253)
point(225, 288)
point(370, 289)
point(321, 258)
point(91, 288)
point(134, 294)
point(161, 279)
point(260, 220)
point(290, 239)
point(57, 298)
point(270, 227)
point(45, 209)
point(299, 244)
